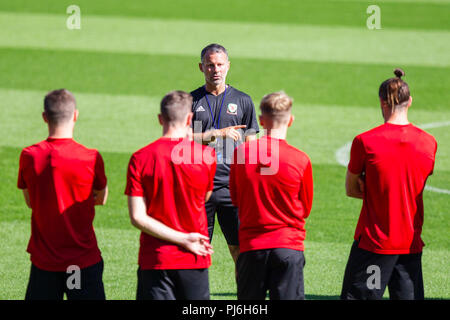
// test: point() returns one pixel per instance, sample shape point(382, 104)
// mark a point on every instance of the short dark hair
point(214, 47)
point(59, 106)
point(175, 106)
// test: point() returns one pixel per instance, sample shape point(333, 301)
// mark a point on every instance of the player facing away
point(271, 183)
point(62, 181)
point(388, 168)
point(168, 183)
point(221, 113)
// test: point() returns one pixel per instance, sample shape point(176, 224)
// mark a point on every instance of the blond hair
point(276, 105)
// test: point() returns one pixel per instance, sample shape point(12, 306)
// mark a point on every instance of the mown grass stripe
point(316, 83)
point(244, 40)
point(414, 14)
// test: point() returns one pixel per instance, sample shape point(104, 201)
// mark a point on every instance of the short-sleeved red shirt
point(271, 183)
point(174, 176)
point(60, 175)
point(396, 160)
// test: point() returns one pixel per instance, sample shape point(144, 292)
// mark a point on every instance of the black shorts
point(367, 274)
point(227, 215)
point(51, 285)
point(279, 271)
point(187, 284)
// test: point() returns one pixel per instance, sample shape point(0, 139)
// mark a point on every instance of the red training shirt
point(60, 175)
point(174, 176)
point(397, 160)
point(272, 185)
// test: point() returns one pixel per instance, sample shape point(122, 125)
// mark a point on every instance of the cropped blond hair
point(276, 105)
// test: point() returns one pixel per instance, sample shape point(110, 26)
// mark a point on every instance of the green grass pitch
point(127, 55)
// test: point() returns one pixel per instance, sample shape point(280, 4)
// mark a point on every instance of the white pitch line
point(342, 154)
point(438, 190)
point(432, 125)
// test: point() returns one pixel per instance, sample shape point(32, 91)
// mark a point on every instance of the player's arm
point(194, 242)
point(354, 185)
point(21, 183)
point(26, 196)
point(307, 189)
point(205, 137)
point(354, 180)
point(100, 196)
point(208, 195)
point(250, 120)
point(100, 187)
point(232, 177)
point(211, 135)
point(212, 171)
point(250, 137)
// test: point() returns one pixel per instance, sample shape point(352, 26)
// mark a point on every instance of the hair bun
point(399, 72)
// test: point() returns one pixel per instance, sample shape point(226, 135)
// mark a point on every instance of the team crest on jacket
point(232, 108)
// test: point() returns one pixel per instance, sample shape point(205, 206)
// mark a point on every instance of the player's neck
point(215, 90)
point(399, 118)
point(60, 132)
point(277, 133)
point(175, 132)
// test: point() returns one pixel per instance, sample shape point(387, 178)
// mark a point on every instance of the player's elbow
point(100, 202)
point(135, 221)
point(101, 196)
point(348, 192)
point(26, 197)
point(137, 211)
point(352, 188)
point(354, 193)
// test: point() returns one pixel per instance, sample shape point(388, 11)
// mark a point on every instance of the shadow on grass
point(228, 295)
point(320, 297)
point(232, 296)
point(224, 294)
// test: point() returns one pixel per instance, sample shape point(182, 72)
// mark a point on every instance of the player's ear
point(383, 103)
point(44, 116)
point(160, 119)
point(200, 66)
point(291, 119)
point(261, 120)
point(189, 119)
point(410, 101)
point(75, 115)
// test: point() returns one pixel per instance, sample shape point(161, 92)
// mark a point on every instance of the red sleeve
point(134, 182)
point(306, 189)
point(100, 180)
point(357, 156)
point(233, 168)
point(23, 163)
